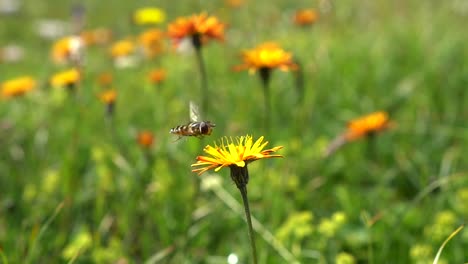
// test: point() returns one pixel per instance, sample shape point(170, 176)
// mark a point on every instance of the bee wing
point(194, 113)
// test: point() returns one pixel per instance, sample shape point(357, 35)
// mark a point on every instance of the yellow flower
point(149, 16)
point(18, 86)
point(199, 27)
point(366, 125)
point(151, 42)
point(267, 55)
point(305, 17)
point(97, 36)
point(122, 48)
point(108, 97)
point(68, 49)
point(233, 154)
point(66, 78)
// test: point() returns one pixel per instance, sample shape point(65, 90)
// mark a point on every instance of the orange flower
point(18, 86)
point(68, 49)
point(108, 97)
point(266, 56)
point(151, 42)
point(156, 76)
point(105, 79)
point(67, 78)
point(122, 48)
point(234, 3)
point(145, 139)
point(366, 125)
point(305, 17)
point(97, 36)
point(199, 27)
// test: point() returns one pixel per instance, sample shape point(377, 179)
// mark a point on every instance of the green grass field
point(75, 186)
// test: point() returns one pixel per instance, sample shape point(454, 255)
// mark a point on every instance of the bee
point(196, 127)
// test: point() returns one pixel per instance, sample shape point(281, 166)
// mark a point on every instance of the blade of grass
point(439, 252)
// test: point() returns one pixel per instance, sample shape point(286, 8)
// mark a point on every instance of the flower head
point(18, 86)
point(145, 139)
point(157, 76)
point(267, 55)
point(68, 49)
point(122, 48)
point(199, 27)
point(305, 17)
point(108, 97)
point(66, 78)
point(149, 16)
point(151, 42)
point(232, 153)
point(366, 125)
point(98, 36)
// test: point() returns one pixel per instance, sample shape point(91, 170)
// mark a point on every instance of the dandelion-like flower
point(199, 27)
point(68, 78)
point(122, 48)
point(266, 56)
point(149, 16)
point(361, 127)
point(157, 76)
point(98, 36)
point(145, 139)
point(17, 87)
point(68, 50)
point(366, 125)
point(151, 42)
point(305, 17)
point(237, 155)
point(108, 98)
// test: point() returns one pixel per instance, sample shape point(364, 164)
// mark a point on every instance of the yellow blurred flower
point(267, 55)
point(157, 76)
point(122, 48)
point(18, 86)
point(108, 97)
point(68, 78)
point(152, 42)
point(234, 3)
point(149, 16)
point(305, 17)
point(199, 27)
point(68, 49)
point(344, 258)
point(232, 153)
point(366, 125)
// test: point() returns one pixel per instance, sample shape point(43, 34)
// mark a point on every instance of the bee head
point(205, 127)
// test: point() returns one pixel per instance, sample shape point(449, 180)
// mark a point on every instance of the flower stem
point(243, 190)
point(203, 79)
point(265, 74)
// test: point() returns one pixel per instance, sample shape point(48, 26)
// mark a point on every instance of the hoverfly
point(196, 127)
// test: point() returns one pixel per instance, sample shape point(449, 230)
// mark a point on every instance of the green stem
point(243, 190)
point(203, 80)
point(265, 75)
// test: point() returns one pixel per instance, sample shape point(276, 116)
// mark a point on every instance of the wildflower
point(344, 258)
point(366, 125)
point(199, 28)
point(305, 17)
point(108, 98)
point(11, 53)
point(51, 29)
point(105, 79)
point(68, 50)
point(157, 76)
point(149, 16)
point(98, 36)
point(123, 52)
point(151, 42)
point(237, 155)
point(145, 139)
point(266, 56)
point(234, 154)
point(18, 86)
point(68, 78)
point(122, 48)
point(234, 3)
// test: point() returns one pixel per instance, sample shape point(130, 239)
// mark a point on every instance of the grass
point(401, 191)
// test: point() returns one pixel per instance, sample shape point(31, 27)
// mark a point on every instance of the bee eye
point(204, 128)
